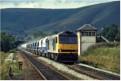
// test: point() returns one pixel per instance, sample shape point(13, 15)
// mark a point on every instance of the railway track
point(38, 75)
point(91, 72)
point(94, 73)
point(46, 72)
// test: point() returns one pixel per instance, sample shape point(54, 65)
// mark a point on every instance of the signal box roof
point(87, 27)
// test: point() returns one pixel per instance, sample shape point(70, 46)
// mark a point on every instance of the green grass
point(4, 70)
point(2, 56)
point(16, 70)
point(103, 56)
point(3, 66)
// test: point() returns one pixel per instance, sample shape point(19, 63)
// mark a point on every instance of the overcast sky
point(53, 4)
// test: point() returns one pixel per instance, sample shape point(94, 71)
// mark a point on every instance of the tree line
point(8, 42)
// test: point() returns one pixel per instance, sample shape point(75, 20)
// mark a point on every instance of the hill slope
point(48, 20)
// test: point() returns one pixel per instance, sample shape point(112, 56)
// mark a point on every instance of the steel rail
point(54, 74)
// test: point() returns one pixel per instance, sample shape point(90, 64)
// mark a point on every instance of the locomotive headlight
point(59, 50)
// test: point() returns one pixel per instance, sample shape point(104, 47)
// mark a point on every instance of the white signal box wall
point(86, 37)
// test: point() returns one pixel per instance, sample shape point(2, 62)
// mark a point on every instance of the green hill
point(25, 21)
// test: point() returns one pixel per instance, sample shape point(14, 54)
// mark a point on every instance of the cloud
point(20, 5)
point(53, 4)
point(60, 0)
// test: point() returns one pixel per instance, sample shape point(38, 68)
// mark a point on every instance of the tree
point(7, 41)
point(117, 38)
point(110, 32)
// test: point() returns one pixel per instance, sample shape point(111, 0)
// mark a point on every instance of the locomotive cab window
point(68, 39)
point(54, 43)
point(55, 39)
point(48, 45)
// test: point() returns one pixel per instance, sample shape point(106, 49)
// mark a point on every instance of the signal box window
point(90, 33)
point(93, 33)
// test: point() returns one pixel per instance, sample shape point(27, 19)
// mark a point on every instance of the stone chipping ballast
point(65, 69)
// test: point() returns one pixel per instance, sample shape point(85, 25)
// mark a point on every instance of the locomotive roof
point(67, 33)
point(87, 27)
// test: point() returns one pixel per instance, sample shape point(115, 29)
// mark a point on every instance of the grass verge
point(103, 56)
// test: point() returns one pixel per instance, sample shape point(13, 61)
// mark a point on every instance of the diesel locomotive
point(61, 47)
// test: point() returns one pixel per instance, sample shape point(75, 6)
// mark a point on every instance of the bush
point(12, 51)
point(100, 45)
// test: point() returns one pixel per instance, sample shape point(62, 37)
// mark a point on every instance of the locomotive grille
point(67, 50)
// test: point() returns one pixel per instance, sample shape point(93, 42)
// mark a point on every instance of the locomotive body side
point(44, 46)
point(61, 47)
point(40, 47)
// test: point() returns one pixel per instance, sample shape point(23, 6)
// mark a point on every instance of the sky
point(49, 4)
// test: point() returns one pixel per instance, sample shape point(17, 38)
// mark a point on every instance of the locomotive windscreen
point(68, 39)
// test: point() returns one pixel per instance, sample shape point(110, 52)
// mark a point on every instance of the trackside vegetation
point(7, 60)
point(104, 56)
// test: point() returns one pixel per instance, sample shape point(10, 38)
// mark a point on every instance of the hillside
point(25, 21)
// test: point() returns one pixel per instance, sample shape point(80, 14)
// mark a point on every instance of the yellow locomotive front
point(67, 47)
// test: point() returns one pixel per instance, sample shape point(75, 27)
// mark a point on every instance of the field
point(104, 56)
